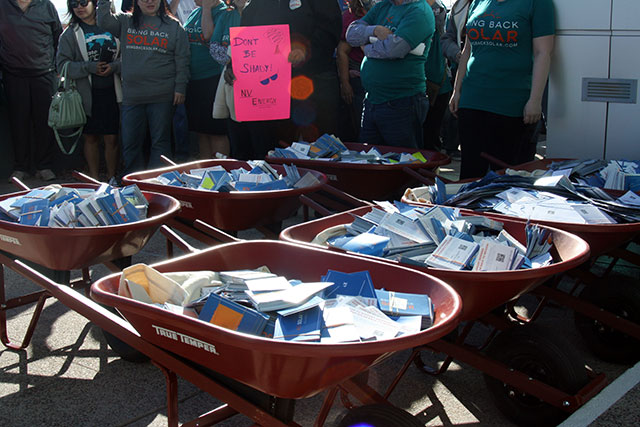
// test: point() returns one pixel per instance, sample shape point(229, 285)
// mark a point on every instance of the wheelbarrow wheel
point(536, 352)
point(621, 298)
point(124, 350)
point(379, 415)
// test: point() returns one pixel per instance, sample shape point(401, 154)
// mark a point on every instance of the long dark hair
point(163, 13)
point(73, 18)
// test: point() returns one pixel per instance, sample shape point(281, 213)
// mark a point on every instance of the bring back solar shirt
point(499, 71)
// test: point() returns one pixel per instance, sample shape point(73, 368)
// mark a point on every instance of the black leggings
point(506, 138)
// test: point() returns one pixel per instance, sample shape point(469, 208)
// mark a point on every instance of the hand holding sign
point(260, 58)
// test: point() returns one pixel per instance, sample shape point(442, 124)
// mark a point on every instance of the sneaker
point(46, 175)
point(113, 181)
point(21, 175)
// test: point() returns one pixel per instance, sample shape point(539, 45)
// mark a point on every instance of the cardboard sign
point(262, 90)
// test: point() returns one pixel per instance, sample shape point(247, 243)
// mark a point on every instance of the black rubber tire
point(379, 415)
point(124, 350)
point(620, 296)
point(538, 353)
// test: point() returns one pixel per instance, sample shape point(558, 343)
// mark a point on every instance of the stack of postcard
point(261, 177)
point(341, 307)
point(329, 147)
point(612, 175)
point(550, 198)
point(440, 237)
point(57, 206)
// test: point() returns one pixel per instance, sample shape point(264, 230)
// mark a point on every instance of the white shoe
point(21, 175)
point(46, 175)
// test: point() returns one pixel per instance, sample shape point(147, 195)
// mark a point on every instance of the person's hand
point(104, 69)
point(381, 32)
point(346, 92)
point(229, 76)
point(178, 98)
point(532, 112)
point(240, 4)
point(296, 56)
point(458, 55)
point(453, 103)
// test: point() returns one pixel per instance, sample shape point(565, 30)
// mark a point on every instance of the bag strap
point(67, 82)
point(77, 134)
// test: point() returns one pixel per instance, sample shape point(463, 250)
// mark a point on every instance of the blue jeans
point(397, 122)
point(181, 140)
point(135, 118)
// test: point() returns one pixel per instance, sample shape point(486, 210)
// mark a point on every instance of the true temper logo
point(186, 339)
point(10, 239)
point(491, 29)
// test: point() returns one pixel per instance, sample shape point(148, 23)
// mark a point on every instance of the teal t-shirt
point(435, 67)
point(388, 79)
point(229, 18)
point(499, 71)
point(202, 64)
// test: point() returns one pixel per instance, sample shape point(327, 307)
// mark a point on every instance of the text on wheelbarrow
point(177, 336)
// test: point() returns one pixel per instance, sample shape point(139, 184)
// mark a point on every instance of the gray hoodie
point(72, 49)
point(155, 57)
point(28, 40)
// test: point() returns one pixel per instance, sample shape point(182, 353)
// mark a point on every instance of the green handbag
point(66, 111)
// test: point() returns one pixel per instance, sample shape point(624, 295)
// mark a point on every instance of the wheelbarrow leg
point(40, 296)
point(171, 382)
point(327, 403)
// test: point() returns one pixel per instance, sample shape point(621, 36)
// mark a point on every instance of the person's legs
point(92, 154)
point(358, 104)
point(433, 122)
point(134, 129)
point(239, 139)
point(111, 154)
point(506, 141)
point(399, 121)
point(19, 108)
point(181, 134)
point(42, 89)
point(159, 116)
point(473, 131)
point(369, 133)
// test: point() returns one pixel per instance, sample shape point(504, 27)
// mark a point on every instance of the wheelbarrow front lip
point(443, 325)
point(172, 210)
point(136, 178)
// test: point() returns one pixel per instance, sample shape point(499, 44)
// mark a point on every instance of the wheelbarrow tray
point(232, 211)
point(282, 369)
point(75, 248)
point(481, 291)
point(369, 181)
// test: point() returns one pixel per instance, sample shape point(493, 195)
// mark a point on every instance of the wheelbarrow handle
point(21, 185)
point(307, 202)
point(283, 144)
point(168, 161)
point(214, 232)
point(85, 178)
point(174, 238)
point(345, 196)
point(412, 173)
point(495, 161)
point(431, 174)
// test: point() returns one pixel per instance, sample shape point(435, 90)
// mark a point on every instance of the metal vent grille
point(610, 90)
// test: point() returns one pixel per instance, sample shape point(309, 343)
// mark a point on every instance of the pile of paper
point(341, 307)
point(329, 147)
point(440, 237)
point(551, 198)
point(612, 175)
point(57, 206)
point(261, 177)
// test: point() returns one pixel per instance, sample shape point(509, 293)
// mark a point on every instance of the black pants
point(251, 140)
point(28, 100)
point(506, 138)
point(433, 122)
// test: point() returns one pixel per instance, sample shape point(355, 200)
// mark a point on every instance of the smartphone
point(105, 55)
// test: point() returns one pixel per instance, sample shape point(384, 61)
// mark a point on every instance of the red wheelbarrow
point(369, 181)
point(64, 249)
point(516, 354)
point(256, 376)
point(607, 309)
point(230, 211)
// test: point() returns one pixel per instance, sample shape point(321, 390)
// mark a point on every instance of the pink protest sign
point(263, 73)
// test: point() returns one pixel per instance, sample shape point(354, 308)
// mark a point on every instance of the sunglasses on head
point(79, 3)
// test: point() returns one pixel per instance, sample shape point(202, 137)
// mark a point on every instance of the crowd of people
point(407, 73)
